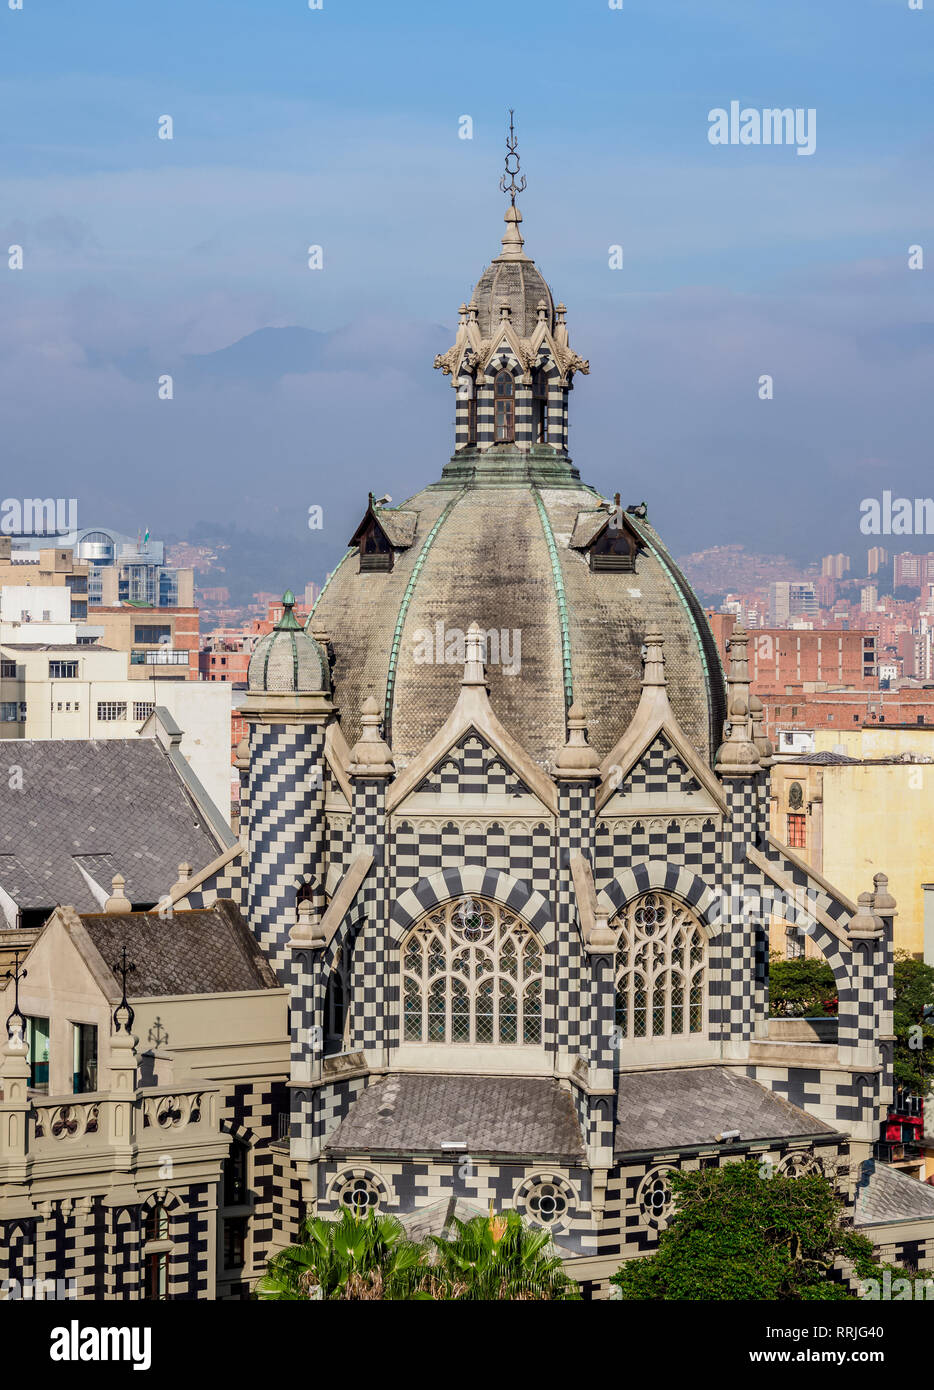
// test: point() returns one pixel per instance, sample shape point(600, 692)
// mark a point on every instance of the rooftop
point(486, 1114)
point(207, 950)
point(688, 1108)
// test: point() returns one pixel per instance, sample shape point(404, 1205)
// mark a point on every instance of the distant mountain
point(260, 357)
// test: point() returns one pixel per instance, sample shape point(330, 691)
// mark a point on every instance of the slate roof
point(490, 561)
point(206, 950)
point(689, 1107)
point(398, 525)
point(99, 803)
point(885, 1194)
point(514, 1116)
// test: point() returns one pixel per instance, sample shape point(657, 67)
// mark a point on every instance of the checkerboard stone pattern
point(374, 969)
point(287, 829)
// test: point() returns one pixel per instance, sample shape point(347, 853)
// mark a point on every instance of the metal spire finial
point(15, 975)
point(123, 969)
point(508, 182)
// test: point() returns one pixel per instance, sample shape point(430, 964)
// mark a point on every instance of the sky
point(339, 127)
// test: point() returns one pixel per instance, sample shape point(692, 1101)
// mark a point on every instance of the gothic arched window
point(661, 964)
point(504, 408)
point(472, 973)
point(539, 407)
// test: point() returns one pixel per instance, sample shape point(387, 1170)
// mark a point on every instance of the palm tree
point(498, 1258)
point(364, 1258)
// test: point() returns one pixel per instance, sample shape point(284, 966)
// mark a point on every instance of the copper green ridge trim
point(675, 577)
point(346, 555)
point(561, 597)
point(403, 610)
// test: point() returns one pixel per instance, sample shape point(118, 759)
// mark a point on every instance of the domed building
point(505, 829)
point(496, 927)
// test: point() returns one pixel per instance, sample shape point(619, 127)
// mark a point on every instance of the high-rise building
point(791, 598)
point(876, 558)
point(835, 566)
point(123, 570)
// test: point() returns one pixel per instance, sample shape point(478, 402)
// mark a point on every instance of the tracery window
point(472, 973)
point(504, 412)
point(661, 960)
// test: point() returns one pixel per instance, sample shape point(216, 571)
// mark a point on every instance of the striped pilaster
point(287, 829)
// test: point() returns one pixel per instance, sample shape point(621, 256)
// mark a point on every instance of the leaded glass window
point(472, 973)
point(661, 962)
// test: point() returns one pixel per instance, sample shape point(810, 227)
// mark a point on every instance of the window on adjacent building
point(9, 712)
point(661, 963)
point(504, 410)
point(797, 837)
point(472, 973)
point(85, 1058)
point(63, 670)
point(37, 1047)
point(160, 632)
point(142, 709)
point(794, 944)
point(8, 670)
point(111, 709)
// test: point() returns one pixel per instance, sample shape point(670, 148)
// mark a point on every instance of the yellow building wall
point(880, 819)
point(878, 742)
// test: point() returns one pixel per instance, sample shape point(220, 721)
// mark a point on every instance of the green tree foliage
point(487, 1258)
point(498, 1258)
point(738, 1234)
point(801, 988)
point(914, 1041)
point(355, 1258)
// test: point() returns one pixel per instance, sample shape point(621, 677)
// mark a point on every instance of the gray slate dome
point(580, 630)
point(288, 660)
point(514, 280)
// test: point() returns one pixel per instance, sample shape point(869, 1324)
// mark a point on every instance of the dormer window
point(504, 409)
point(382, 532)
point(614, 549)
point(539, 407)
point(375, 550)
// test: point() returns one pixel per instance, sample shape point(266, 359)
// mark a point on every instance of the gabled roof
point(92, 804)
point(397, 526)
point(207, 950)
point(590, 525)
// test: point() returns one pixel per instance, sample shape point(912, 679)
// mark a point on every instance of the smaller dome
point(287, 659)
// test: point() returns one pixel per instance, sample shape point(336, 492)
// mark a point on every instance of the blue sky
point(339, 127)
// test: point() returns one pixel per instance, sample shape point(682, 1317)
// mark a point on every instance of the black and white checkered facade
point(565, 851)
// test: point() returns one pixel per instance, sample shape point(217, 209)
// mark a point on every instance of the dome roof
point(514, 280)
point(500, 553)
point(287, 659)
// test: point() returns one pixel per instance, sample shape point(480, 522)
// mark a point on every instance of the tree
point(740, 1234)
point(498, 1258)
point(801, 988)
point(914, 1039)
point(355, 1258)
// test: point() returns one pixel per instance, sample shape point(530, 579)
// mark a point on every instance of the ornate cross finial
point(122, 969)
point(15, 975)
point(508, 182)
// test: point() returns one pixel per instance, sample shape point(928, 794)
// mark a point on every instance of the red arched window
point(504, 409)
